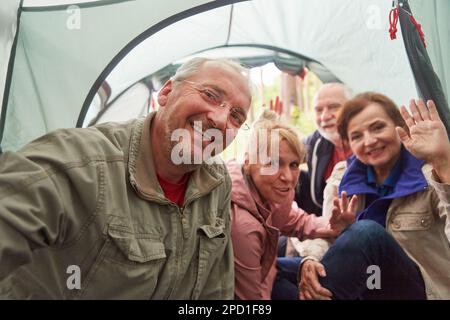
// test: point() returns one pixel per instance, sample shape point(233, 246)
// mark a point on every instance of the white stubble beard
point(334, 137)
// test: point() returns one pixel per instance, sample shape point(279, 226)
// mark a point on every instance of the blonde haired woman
point(261, 203)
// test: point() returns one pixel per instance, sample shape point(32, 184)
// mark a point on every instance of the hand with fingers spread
point(277, 106)
point(343, 214)
point(427, 138)
point(344, 211)
point(310, 287)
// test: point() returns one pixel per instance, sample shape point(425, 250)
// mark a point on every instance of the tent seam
point(8, 79)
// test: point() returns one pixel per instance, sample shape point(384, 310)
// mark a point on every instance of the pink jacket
point(255, 231)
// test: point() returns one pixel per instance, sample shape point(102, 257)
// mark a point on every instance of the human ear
point(163, 94)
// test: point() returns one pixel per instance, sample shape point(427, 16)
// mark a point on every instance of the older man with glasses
point(105, 213)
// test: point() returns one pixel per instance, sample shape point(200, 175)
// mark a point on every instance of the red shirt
point(336, 157)
point(175, 191)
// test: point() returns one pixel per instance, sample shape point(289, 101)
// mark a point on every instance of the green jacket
point(90, 198)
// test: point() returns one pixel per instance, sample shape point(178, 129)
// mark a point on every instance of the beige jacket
point(419, 222)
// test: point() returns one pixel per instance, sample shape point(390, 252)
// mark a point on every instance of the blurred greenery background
point(296, 94)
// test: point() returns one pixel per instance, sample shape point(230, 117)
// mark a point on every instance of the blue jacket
point(410, 181)
point(309, 193)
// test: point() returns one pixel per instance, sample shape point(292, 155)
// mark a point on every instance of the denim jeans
point(285, 286)
point(282, 245)
point(350, 275)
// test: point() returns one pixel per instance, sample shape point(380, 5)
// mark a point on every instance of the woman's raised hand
point(343, 214)
point(427, 138)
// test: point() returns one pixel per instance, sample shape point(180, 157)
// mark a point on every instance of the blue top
point(387, 187)
point(405, 178)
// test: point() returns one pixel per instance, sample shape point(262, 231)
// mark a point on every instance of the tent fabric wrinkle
point(428, 83)
point(64, 56)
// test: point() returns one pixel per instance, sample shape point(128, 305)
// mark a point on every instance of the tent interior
point(64, 61)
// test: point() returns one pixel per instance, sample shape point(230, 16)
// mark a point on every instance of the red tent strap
point(419, 30)
point(393, 20)
point(302, 73)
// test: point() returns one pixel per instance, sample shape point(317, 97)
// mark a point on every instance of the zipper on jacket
point(179, 253)
point(183, 221)
point(312, 181)
point(180, 245)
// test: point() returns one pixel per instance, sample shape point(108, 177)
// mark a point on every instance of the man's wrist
point(304, 260)
point(307, 258)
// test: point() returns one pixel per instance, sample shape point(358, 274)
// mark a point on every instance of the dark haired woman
point(398, 248)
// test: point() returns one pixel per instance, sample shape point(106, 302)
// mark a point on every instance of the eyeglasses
point(214, 97)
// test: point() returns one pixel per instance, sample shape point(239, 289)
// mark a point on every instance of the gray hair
point(348, 93)
point(192, 66)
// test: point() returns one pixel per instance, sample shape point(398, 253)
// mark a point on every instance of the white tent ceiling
point(59, 63)
point(46, 3)
point(348, 37)
point(8, 28)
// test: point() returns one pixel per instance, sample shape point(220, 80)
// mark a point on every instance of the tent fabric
point(428, 83)
point(56, 63)
point(206, 30)
point(63, 56)
point(8, 28)
point(250, 57)
point(47, 3)
point(338, 34)
point(133, 103)
point(434, 18)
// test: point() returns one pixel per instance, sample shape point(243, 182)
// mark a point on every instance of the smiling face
point(373, 139)
point(327, 103)
point(186, 103)
point(276, 188)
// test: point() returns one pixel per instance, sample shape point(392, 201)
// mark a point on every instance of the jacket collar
point(410, 180)
point(323, 151)
point(245, 195)
point(142, 170)
point(244, 192)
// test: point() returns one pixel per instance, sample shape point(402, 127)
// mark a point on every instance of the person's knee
point(364, 232)
point(367, 228)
